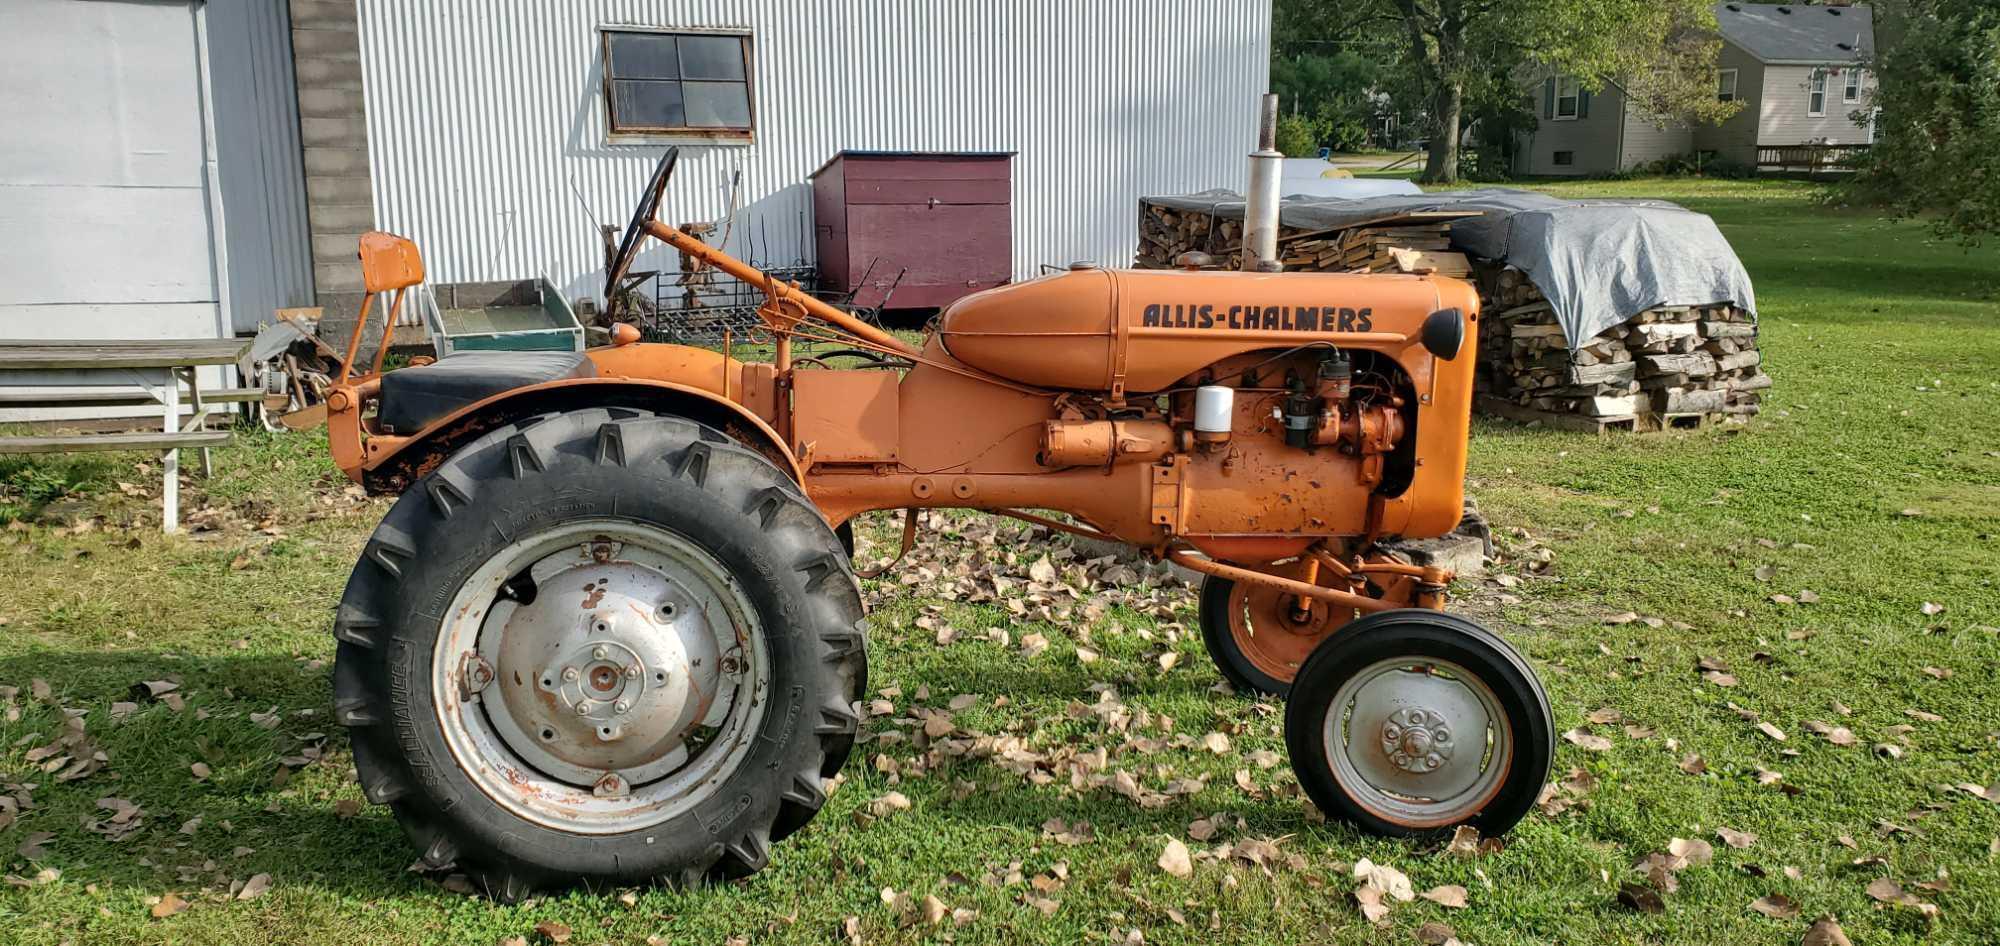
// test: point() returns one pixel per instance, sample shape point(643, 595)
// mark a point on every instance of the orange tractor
point(611, 631)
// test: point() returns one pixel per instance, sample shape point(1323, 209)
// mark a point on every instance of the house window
point(1816, 94)
point(1568, 92)
point(663, 83)
point(1851, 92)
point(1725, 85)
point(1565, 159)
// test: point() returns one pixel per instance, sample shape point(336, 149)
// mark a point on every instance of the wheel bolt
point(584, 708)
point(598, 653)
point(570, 674)
point(620, 706)
point(632, 672)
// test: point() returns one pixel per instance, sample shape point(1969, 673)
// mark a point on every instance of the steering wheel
point(635, 232)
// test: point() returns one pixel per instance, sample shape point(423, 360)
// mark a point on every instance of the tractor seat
point(413, 398)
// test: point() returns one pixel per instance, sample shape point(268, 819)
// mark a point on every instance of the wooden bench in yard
point(126, 374)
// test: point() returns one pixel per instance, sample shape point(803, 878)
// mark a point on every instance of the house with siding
point(1799, 72)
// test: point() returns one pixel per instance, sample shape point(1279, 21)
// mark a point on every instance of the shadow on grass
point(292, 825)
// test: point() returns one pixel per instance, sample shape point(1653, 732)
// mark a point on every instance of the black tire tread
point(712, 461)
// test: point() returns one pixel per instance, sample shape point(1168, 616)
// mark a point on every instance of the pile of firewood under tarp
point(1165, 232)
point(1668, 367)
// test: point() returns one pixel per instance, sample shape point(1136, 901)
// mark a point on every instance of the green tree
point(1937, 133)
point(1664, 48)
point(1460, 57)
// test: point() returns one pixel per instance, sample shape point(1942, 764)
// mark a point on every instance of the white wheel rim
point(1418, 741)
point(621, 695)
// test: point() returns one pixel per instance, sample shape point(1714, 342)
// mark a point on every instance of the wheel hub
point(1416, 739)
point(609, 669)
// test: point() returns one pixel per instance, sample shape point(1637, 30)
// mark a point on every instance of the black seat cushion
point(413, 398)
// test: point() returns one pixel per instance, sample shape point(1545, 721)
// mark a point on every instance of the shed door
point(103, 190)
point(259, 160)
point(944, 225)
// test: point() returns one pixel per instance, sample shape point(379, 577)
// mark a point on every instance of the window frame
point(1735, 84)
point(1556, 159)
point(1851, 86)
point(1816, 86)
point(684, 134)
point(1575, 99)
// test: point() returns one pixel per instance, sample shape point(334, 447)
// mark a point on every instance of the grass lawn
point(1872, 480)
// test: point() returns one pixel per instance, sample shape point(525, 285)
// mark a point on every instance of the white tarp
point(1598, 262)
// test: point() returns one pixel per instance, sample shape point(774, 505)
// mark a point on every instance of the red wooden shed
point(934, 225)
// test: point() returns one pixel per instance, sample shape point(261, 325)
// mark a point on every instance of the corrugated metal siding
point(262, 172)
point(486, 119)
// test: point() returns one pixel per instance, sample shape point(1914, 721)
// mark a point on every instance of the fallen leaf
point(1771, 731)
point(1621, 618)
point(1887, 891)
point(1777, 906)
point(201, 771)
point(1215, 742)
point(1390, 881)
point(889, 804)
point(1931, 610)
point(1437, 934)
point(254, 887)
point(1372, 908)
point(169, 905)
point(1589, 742)
point(1641, 898)
point(1448, 895)
point(1174, 859)
point(1201, 829)
point(554, 932)
point(1734, 838)
point(1825, 932)
point(1694, 851)
point(1693, 764)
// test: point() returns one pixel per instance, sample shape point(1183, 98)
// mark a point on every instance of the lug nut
point(598, 652)
point(632, 672)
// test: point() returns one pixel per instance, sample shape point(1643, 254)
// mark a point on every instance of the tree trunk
point(1448, 113)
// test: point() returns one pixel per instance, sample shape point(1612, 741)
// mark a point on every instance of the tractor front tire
point(600, 647)
point(1412, 722)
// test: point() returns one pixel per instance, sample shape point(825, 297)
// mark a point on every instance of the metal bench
point(127, 374)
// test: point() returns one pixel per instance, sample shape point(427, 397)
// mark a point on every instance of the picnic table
point(125, 373)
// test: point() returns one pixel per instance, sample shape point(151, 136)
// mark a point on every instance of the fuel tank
point(1143, 330)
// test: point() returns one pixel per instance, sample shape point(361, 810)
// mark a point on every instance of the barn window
point(668, 83)
point(1565, 159)
point(1816, 94)
point(1850, 93)
point(1725, 85)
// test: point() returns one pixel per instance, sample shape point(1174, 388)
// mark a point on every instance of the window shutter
point(1549, 99)
point(1583, 103)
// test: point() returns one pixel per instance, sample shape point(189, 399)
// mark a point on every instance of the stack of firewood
point(1363, 246)
point(1674, 366)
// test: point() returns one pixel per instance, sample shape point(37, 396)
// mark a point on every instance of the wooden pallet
point(1658, 422)
point(1500, 407)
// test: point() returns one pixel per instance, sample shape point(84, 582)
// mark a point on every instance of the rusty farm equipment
point(610, 631)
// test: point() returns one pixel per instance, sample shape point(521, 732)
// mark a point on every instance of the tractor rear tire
point(600, 647)
point(1412, 722)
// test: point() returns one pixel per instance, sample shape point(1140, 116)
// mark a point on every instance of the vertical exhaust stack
point(1260, 215)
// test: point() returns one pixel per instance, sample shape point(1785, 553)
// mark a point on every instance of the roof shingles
point(1789, 33)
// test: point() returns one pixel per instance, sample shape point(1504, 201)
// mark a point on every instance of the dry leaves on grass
point(1777, 906)
point(167, 905)
point(1451, 896)
point(1734, 838)
point(253, 888)
point(1825, 931)
point(1175, 860)
point(554, 932)
point(1587, 741)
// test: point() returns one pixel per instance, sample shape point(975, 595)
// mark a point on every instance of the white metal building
point(181, 168)
point(150, 175)
point(490, 144)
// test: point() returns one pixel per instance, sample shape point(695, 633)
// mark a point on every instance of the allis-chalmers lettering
point(1286, 318)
